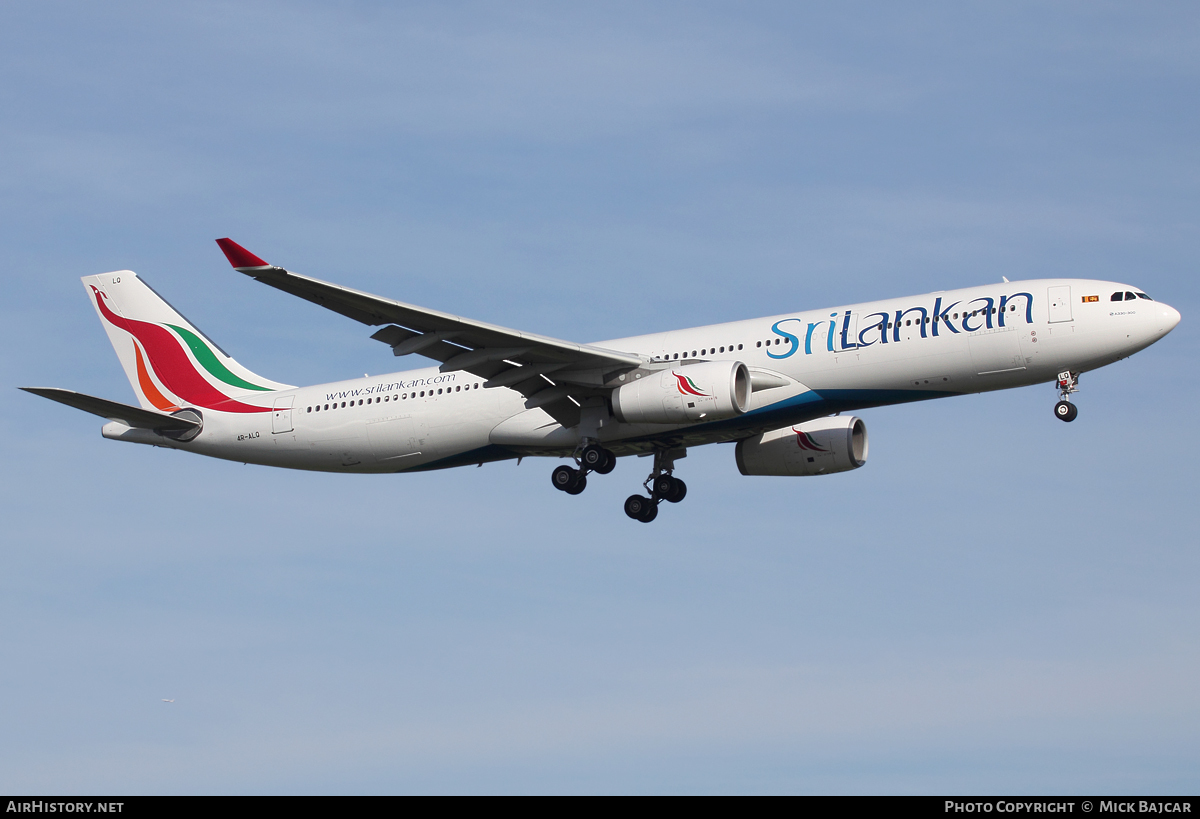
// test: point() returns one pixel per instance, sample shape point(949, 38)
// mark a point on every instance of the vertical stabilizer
point(169, 362)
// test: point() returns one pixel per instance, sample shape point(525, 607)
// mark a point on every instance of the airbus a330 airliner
point(780, 387)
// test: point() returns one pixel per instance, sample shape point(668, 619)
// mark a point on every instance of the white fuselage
point(806, 364)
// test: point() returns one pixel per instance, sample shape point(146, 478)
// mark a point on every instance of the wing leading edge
point(538, 367)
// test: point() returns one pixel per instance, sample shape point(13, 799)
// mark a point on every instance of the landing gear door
point(281, 414)
point(1059, 299)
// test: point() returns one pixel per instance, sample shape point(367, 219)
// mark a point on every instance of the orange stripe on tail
point(151, 392)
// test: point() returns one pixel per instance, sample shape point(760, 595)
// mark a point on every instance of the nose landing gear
point(1068, 382)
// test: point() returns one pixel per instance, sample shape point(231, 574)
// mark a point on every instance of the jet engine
point(709, 391)
point(819, 447)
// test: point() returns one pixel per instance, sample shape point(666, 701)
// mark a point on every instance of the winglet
point(238, 256)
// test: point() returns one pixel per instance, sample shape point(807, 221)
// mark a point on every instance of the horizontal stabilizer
point(113, 411)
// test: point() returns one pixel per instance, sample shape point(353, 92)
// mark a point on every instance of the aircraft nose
point(1168, 318)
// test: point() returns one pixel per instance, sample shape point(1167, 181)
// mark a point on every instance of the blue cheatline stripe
point(797, 409)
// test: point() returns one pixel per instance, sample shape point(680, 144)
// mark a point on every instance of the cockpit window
point(1118, 296)
point(1130, 296)
point(1144, 296)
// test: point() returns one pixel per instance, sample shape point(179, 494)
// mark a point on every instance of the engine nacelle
point(818, 447)
point(709, 391)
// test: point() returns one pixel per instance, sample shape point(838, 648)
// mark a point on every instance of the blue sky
point(997, 602)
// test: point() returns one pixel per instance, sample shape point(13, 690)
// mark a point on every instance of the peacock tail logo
point(165, 356)
point(806, 442)
point(688, 387)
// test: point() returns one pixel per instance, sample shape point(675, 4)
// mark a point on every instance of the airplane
point(781, 388)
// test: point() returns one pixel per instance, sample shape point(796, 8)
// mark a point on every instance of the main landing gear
point(1068, 382)
point(661, 485)
point(593, 458)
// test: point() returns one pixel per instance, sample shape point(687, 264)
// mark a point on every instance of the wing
point(551, 373)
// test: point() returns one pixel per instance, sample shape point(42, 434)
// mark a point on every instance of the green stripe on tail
point(208, 359)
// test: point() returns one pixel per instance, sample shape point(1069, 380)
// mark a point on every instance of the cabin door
point(281, 414)
point(1059, 299)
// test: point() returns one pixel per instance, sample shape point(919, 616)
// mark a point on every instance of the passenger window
point(739, 346)
point(310, 409)
point(760, 344)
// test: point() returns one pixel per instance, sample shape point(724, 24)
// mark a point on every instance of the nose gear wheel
point(1068, 382)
